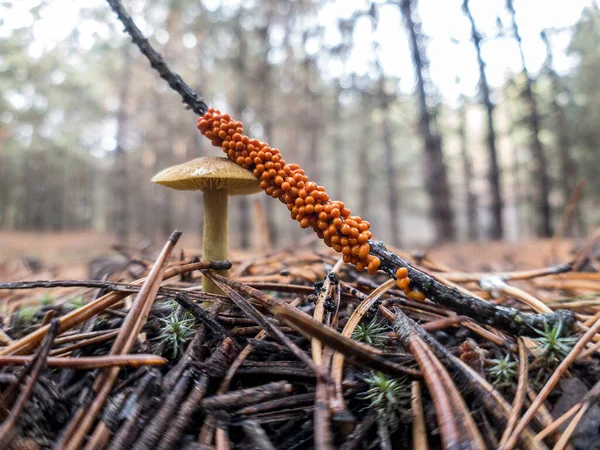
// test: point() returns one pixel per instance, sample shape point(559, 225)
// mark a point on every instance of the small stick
point(291, 401)
point(521, 391)
point(203, 315)
point(257, 435)
point(564, 439)
point(319, 312)
point(136, 401)
point(109, 285)
point(457, 427)
point(268, 326)
point(105, 336)
point(39, 362)
point(465, 277)
point(355, 352)
point(130, 328)
point(243, 397)
point(90, 362)
point(74, 318)
point(419, 430)
point(190, 98)
point(508, 319)
point(189, 406)
point(337, 364)
point(157, 426)
point(551, 383)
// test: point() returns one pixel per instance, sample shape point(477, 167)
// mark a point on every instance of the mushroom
point(218, 178)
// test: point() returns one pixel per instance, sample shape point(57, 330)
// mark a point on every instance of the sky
point(453, 63)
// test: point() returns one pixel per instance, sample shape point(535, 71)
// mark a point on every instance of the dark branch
point(190, 98)
point(508, 319)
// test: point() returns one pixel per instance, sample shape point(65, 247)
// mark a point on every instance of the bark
point(541, 175)
point(471, 198)
point(436, 178)
point(568, 168)
point(494, 177)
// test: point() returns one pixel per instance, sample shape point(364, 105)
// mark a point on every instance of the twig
point(457, 427)
point(190, 98)
point(564, 439)
point(591, 397)
point(136, 318)
point(419, 430)
point(255, 315)
point(551, 383)
point(39, 362)
point(464, 277)
point(360, 432)
point(203, 316)
point(257, 435)
point(494, 402)
point(135, 401)
point(74, 318)
point(90, 362)
point(357, 353)
point(105, 336)
point(508, 319)
point(243, 397)
point(156, 427)
point(189, 406)
point(291, 401)
point(337, 364)
point(521, 390)
point(505, 318)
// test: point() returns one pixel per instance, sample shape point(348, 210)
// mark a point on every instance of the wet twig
point(243, 397)
point(190, 98)
point(508, 319)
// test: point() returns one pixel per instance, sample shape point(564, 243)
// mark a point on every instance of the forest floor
point(194, 380)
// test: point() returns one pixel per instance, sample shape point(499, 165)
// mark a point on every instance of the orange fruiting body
point(309, 203)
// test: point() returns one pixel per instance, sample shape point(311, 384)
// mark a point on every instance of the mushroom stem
point(215, 243)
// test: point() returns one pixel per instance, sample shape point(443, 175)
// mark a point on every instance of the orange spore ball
point(403, 282)
point(307, 202)
point(416, 295)
point(402, 272)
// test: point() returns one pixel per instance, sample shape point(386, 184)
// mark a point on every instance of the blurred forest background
point(434, 120)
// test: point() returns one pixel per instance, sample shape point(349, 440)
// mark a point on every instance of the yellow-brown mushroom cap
point(209, 172)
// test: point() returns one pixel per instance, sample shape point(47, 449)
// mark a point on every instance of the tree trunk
point(362, 154)
point(245, 226)
point(470, 197)
point(266, 105)
point(436, 178)
point(338, 151)
point(120, 191)
point(497, 228)
point(388, 149)
point(541, 175)
point(568, 168)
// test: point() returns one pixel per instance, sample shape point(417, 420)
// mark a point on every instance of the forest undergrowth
point(303, 351)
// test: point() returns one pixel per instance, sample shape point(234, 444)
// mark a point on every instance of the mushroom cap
point(209, 172)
